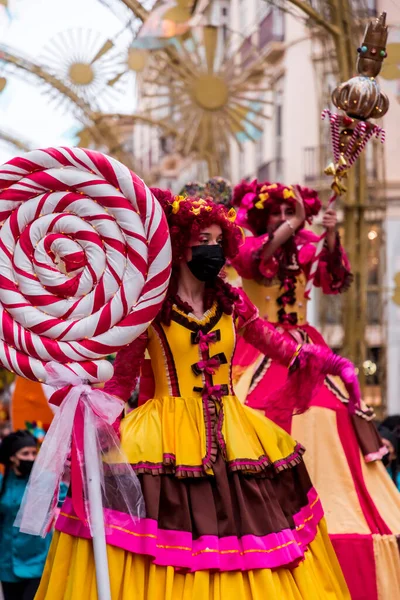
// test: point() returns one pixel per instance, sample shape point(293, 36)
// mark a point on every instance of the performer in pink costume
point(344, 451)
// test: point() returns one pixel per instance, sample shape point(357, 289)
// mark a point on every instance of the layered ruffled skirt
point(230, 511)
point(361, 503)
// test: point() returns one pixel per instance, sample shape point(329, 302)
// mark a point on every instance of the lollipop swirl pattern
point(84, 261)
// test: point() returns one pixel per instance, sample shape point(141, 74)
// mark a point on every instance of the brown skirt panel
point(227, 503)
point(368, 437)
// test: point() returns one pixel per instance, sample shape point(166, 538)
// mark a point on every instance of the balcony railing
point(267, 38)
point(316, 158)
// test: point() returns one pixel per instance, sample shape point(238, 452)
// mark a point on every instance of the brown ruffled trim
point(168, 467)
point(368, 415)
point(260, 467)
point(264, 464)
point(260, 373)
point(246, 465)
point(188, 323)
point(335, 390)
point(210, 414)
point(290, 461)
point(169, 359)
point(220, 437)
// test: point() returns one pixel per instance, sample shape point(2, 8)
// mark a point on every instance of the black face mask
point(207, 261)
point(25, 467)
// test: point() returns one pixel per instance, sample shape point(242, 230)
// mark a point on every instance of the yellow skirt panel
point(165, 427)
point(384, 493)
point(387, 566)
point(328, 467)
point(69, 574)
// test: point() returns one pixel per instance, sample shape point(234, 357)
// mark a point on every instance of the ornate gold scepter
point(361, 99)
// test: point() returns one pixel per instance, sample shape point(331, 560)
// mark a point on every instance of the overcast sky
point(25, 109)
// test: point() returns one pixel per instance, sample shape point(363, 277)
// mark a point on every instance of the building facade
point(293, 147)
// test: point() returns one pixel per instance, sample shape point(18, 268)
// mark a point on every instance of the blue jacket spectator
point(22, 556)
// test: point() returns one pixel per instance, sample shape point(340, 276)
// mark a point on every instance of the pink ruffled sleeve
point(245, 311)
point(248, 262)
point(268, 341)
point(262, 335)
point(307, 365)
point(127, 368)
point(333, 275)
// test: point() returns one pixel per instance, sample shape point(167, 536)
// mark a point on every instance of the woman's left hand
point(330, 363)
point(329, 220)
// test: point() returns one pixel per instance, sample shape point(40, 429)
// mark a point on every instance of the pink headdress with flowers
point(256, 201)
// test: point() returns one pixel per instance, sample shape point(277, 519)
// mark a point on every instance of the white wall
point(301, 117)
point(393, 310)
point(392, 160)
point(391, 121)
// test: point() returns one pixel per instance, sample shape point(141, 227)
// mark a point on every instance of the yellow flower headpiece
point(263, 197)
point(176, 204)
point(231, 215)
point(199, 205)
point(288, 193)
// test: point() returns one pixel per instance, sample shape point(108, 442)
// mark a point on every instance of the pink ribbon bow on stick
point(82, 428)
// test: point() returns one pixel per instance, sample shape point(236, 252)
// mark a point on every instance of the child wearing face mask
point(22, 556)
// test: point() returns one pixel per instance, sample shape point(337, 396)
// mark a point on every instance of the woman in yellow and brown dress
point(230, 509)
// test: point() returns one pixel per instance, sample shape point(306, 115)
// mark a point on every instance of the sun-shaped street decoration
point(88, 63)
point(209, 91)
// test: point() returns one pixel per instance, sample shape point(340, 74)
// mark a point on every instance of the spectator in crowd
point(5, 429)
point(22, 556)
point(389, 430)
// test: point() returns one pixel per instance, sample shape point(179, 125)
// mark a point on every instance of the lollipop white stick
point(96, 513)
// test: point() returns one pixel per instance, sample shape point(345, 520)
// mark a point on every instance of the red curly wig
point(256, 202)
point(186, 218)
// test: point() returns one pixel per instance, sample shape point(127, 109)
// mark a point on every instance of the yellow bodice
point(175, 351)
point(265, 298)
point(194, 413)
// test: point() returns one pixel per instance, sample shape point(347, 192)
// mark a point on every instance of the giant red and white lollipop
point(85, 261)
